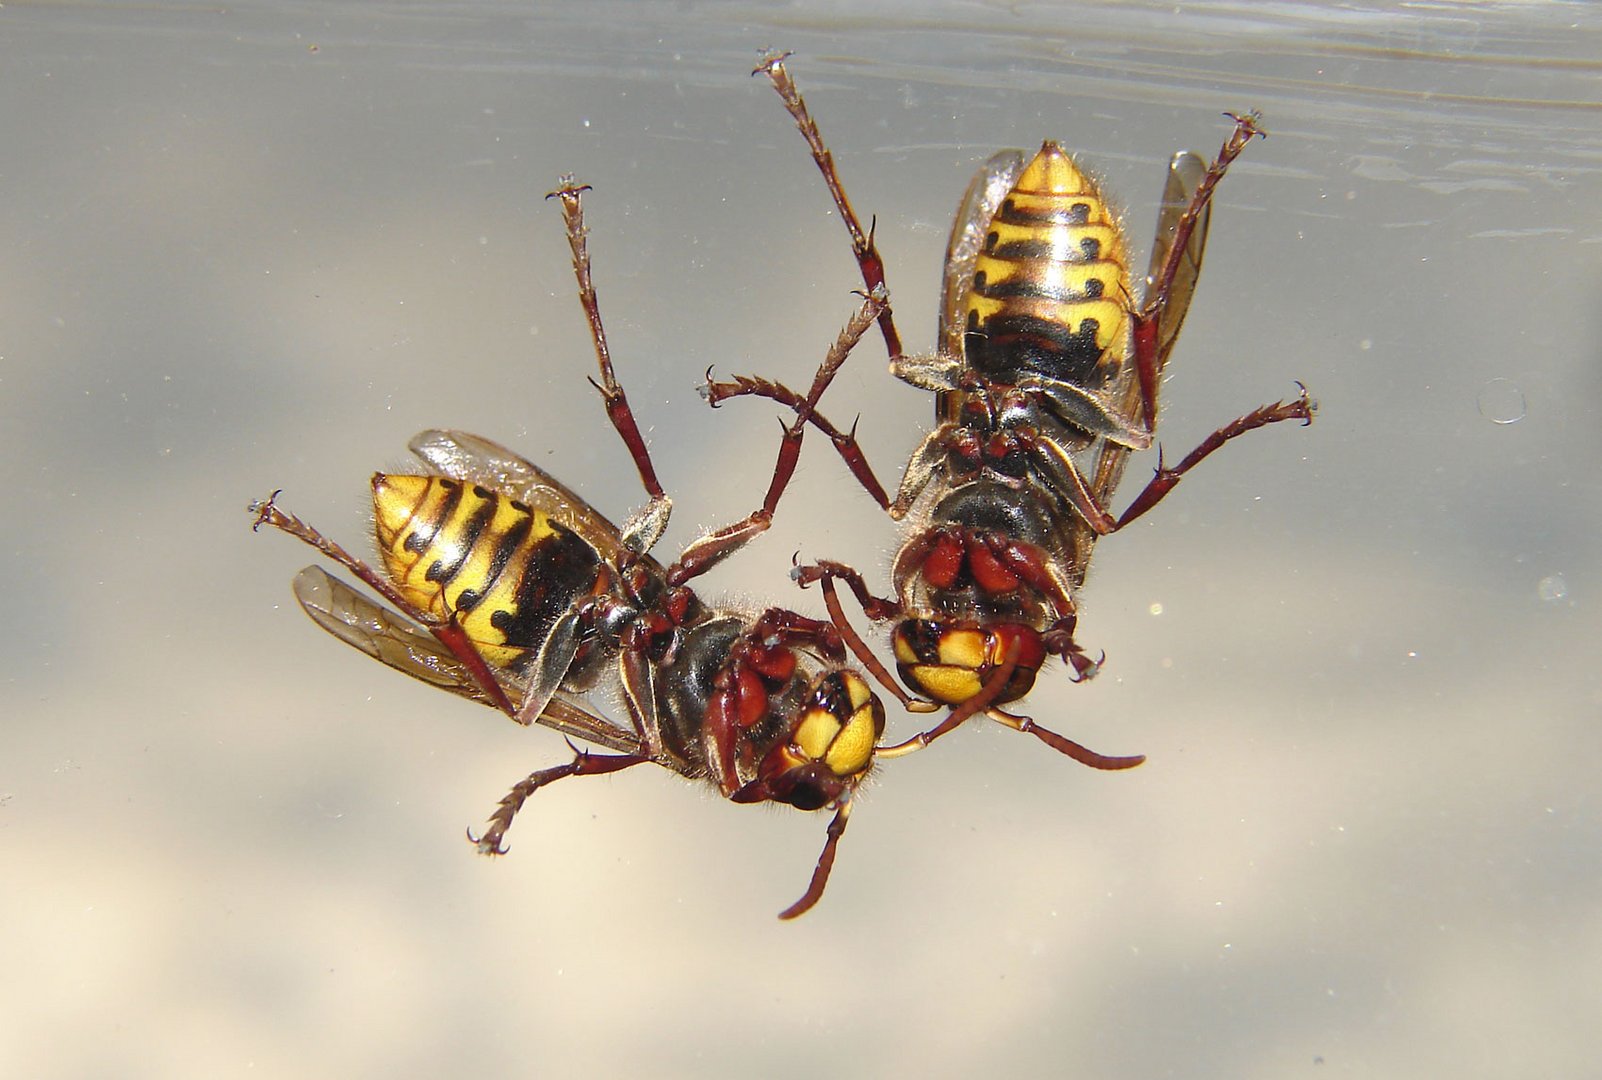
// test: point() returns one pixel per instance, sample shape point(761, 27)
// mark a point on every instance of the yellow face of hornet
point(841, 733)
point(506, 570)
point(829, 749)
point(1054, 264)
point(952, 664)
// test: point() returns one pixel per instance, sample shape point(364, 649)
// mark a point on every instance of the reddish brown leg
point(448, 632)
point(859, 648)
point(791, 629)
point(820, 874)
point(981, 703)
point(862, 246)
point(617, 403)
point(1301, 408)
point(1148, 351)
point(701, 555)
point(584, 763)
point(877, 608)
point(1059, 642)
point(1065, 745)
point(844, 442)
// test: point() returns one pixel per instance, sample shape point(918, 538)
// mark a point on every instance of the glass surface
point(258, 246)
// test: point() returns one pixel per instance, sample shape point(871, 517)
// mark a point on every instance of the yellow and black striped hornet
point(1045, 376)
point(509, 589)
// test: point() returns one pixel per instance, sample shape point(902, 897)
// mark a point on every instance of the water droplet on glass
point(1552, 587)
point(1502, 402)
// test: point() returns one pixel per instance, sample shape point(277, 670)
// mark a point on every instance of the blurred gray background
point(259, 245)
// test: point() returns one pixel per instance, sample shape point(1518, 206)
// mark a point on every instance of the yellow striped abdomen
point(507, 570)
point(1050, 289)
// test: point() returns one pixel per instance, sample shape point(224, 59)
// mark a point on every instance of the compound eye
point(1022, 681)
point(806, 794)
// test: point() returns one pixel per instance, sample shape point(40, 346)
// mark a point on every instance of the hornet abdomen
point(1050, 290)
point(507, 571)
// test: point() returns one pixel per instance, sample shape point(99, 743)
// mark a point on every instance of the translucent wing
point(401, 644)
point(478, 460)
point(979, 204)
point(564, 716)
point(380, 633)
point(1185, 173)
